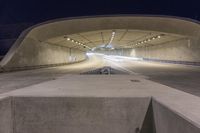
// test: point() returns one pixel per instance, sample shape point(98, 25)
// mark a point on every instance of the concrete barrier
point(6, 115)
point(83, 115)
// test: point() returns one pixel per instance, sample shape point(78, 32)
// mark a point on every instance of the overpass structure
point(51, 100)
point(67, 40)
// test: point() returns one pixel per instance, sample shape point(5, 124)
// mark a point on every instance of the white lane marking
point(123, 68)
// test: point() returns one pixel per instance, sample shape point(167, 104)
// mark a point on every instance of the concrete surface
point(167, 121)
point(181, 77)
point(19, 79)
point(38, 54)
point(6, 115)
point(95, 102)
point(78, 115)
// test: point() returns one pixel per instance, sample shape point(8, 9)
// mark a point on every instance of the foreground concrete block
point(6, 115)
point(79, 115)
point(168, 121)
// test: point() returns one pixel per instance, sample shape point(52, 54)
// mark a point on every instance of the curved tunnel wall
point(30, 49)
point(181, 50)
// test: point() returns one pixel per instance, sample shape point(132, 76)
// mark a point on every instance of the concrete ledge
point(36, 67)
point(173, 62)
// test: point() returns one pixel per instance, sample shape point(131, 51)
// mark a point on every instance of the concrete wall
point(168, 121)
point(32, 53)
point(6, 122)
point(79, 115)
point(120, 52)
point(183, 50)
point(180, 50)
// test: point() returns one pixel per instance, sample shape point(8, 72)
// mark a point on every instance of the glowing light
point(79, 43)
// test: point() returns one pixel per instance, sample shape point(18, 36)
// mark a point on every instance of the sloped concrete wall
point(180, 50)
point(167, 121)
point(32, 53)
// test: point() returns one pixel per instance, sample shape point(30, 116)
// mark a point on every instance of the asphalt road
point(181, 77)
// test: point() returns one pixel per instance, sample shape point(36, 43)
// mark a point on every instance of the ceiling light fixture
point(79, 43)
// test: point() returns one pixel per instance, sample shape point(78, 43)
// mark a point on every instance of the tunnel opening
point(153, 38)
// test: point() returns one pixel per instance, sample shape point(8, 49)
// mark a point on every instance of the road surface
point(181, 77)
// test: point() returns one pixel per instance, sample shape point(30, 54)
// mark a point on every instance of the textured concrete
point(180, 50)
point(19, 79)
point(6, 121)
point(79, 115)
point(167, 121)
point(38, 54)
point(78, 98)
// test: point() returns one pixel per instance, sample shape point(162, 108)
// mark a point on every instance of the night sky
point(17, 11)
point(36, 11)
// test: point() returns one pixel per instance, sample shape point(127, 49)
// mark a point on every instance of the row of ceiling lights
point(78, 43)
point(112, 38)
point(149, 39)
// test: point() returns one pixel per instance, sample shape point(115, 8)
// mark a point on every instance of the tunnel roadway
point(182, 77)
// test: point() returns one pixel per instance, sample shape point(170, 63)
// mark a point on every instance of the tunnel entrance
point(77, 115)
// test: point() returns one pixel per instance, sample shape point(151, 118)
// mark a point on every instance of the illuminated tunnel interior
point(58, 42)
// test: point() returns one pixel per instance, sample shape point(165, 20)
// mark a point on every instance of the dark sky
point(17, 11)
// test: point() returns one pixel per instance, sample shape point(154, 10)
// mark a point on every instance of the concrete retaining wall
point(32, 53)
point(73, 115)
point(180, 50)
point(168, 121)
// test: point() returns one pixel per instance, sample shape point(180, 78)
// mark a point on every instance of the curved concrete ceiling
point(138, 28)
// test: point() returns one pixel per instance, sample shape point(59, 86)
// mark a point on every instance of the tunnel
point(103, 74)
point(64, 41)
